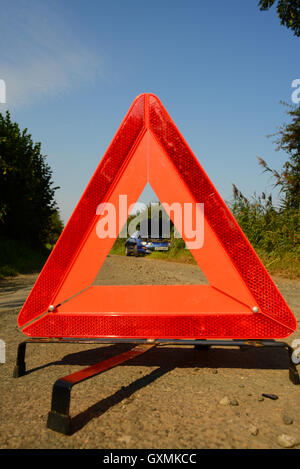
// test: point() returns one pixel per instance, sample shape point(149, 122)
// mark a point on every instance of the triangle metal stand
point(59, 418)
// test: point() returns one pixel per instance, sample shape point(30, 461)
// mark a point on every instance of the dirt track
point(167, 398)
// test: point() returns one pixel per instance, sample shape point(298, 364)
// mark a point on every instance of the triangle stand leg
point(59, 418)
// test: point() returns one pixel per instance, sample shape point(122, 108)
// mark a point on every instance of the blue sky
point(73, 67)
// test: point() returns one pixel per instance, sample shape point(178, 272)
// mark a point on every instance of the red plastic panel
point(216, 313)
point(78, 226)
point(218, 215)
point(153, 299)
point(218, 326)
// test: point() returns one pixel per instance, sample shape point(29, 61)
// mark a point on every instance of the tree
point(27, 204)
point(288, 12)
point(56, 226)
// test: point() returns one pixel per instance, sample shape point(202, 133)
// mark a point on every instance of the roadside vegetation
point(274, 230)
point(29, 216)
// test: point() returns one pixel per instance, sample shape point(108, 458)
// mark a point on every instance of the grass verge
point(286, 264)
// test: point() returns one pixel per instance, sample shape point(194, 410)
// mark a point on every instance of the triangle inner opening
point(149, 250)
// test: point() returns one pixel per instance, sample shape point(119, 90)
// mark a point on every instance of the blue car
point(136, 245)
point(160, 244)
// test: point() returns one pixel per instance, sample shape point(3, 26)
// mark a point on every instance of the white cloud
point(40, 54)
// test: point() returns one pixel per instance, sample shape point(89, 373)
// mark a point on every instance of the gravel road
point(170, 397)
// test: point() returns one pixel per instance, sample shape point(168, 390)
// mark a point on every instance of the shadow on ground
point(182, 357)
point(96, 410)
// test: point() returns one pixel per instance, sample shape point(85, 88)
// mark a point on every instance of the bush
point(16, 258)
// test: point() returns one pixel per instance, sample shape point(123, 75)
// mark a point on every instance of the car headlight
point(143, 243)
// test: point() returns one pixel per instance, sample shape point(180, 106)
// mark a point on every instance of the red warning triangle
point(241, 300)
